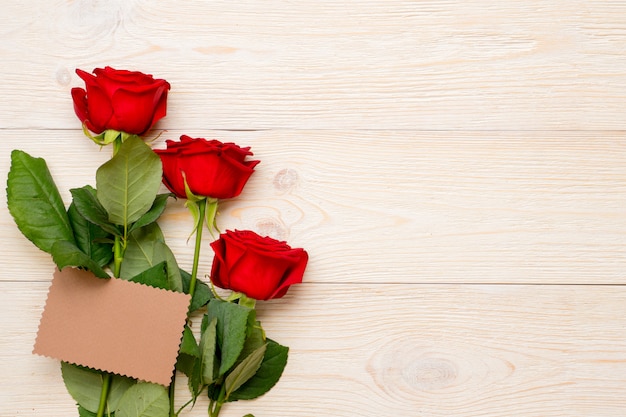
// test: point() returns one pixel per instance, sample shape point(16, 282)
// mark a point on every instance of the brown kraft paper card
point(113, 325)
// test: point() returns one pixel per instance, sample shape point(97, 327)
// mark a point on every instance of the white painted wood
point(394, 350)
point(430, 155)
point(410, 207)
point(375, 64)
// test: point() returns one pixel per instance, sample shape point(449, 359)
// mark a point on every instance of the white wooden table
point(455, 169)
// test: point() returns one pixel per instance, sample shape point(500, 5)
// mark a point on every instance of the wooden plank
point(413, 207)
point(374, 64)
point(393, 350)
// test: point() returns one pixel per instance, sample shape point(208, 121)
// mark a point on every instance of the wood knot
point(411, 369)
point(428, 374)
point(286, 179)
point(63, 76)
point(96, 19)
point(272, 228)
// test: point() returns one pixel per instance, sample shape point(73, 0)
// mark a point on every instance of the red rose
point(210, 167)
point(260, 267)
point(126, 101)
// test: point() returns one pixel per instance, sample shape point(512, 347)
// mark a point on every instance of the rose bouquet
point(112, 230)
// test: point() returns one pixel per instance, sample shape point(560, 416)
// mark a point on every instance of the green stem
point(196, 254)
point(192, 283)
point(118, 256)
point(215, 411)
point(104, 393)
point(184, 406)
point(119, 248)
point(172, 388)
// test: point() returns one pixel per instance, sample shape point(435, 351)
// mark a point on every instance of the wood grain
point(394, 350)
point(456, 170)
point(413, 207)
point(362, 64)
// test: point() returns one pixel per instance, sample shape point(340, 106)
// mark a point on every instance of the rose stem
point(103, 394)
point(192, 283)
point(118, 256)
point(196, 255)
point(218, 403)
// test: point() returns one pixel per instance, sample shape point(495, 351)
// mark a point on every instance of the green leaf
point(194, 380)
point(66, 253)
point(128, 183)
point(208, 362)
point(89, 238)
point(244, 371)
point(153, 214)
point(84, 385)
point(213, 392)
point(173, 271)
point(189, 346)
point(188, 352)
point(268, 374)
point(232, 320)
point(189, 363)
point(35, 203)
point(255, 337)
point(144, 400)
point(202, 294)
point(82, 412)
point(155, 276)
point(90, 208)
point(146, 248)
point(140, 252)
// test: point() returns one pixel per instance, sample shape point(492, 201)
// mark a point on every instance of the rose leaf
point(245, 370)
point(158, 206)
point(232, 320)
point(146, 248)
point(202, 294)
point(88, 205)
point(66, 253)
point(85, 384)
point(91, 238)
point(255, 337)
point(187, 353)
point(128, 183)
point(268, 374)
point(155, 276)
point(35, 203)
point(144, 399)
point(83, 412)
point(208, 361)
point(140, 252)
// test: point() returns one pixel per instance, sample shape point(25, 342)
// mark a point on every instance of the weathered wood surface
point(456, 170)
point(374, 64)
point(398, 206)
point(396, 350)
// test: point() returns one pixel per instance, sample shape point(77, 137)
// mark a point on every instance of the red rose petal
point(260, 267)
point(128, 101)
point(79, 97)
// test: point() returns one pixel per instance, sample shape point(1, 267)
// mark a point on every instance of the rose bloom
point(210, 167)
point(126, 101)
point(259, 267)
